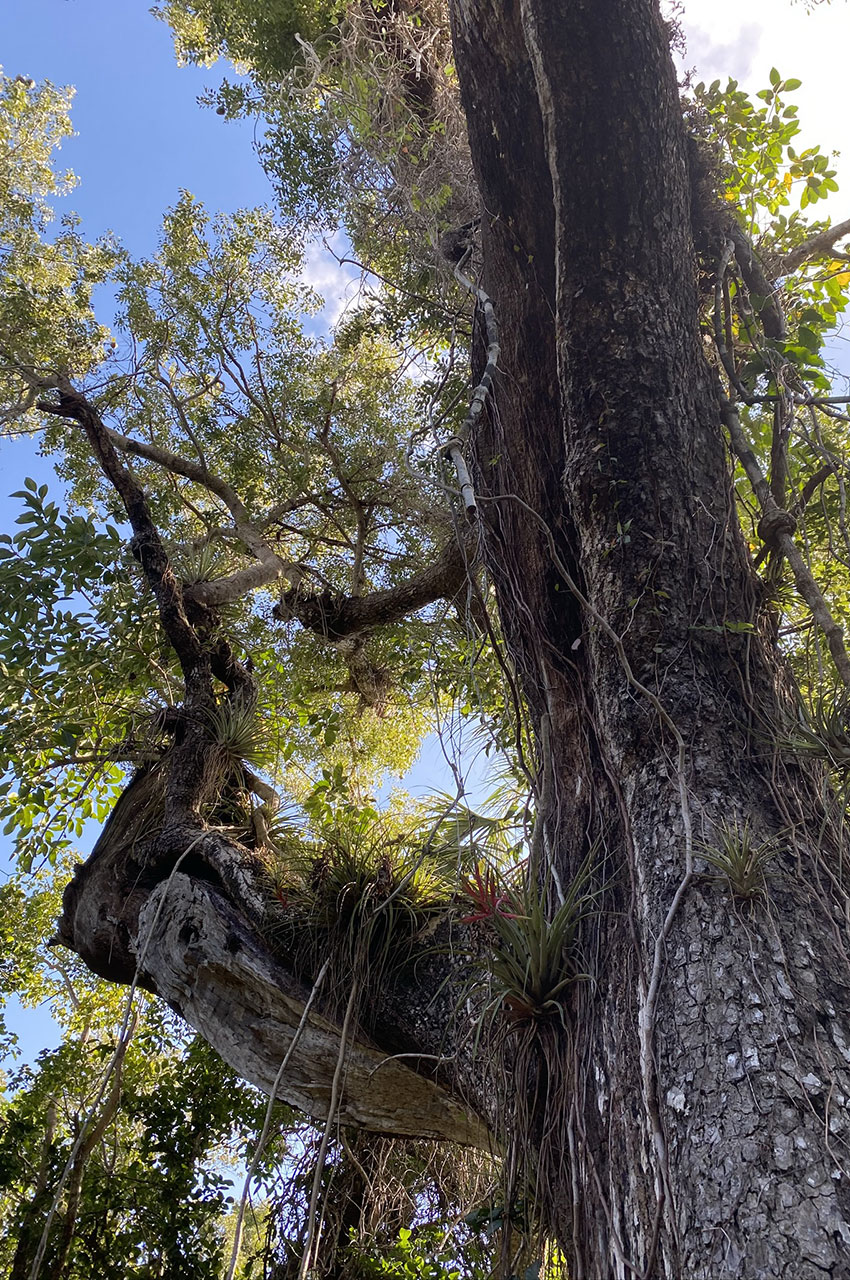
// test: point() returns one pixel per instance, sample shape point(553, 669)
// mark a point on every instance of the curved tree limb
point(337, 617)
point(453, 448)
point(772, 318)
point(201, 653)
point(199, 938)
point(147, 544)
point(269, 567)
point(78, 1169)
point(770, 311)
point(824, 240)
point(811, 486)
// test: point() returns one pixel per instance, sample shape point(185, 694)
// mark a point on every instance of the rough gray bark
point(338, 617)
point(709, 1065)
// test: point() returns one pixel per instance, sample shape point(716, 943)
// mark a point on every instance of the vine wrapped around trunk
point(707, 1060)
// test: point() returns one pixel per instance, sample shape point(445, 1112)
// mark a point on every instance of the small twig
point(268, 568)
point(799, 399)
point(393, 284)
point(395, 1057)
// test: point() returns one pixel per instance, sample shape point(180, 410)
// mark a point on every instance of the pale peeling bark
point(202, 959)
point(196, 927)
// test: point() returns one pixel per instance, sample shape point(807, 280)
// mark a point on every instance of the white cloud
point(338, 283)
point(717, 59)
point(745, 38)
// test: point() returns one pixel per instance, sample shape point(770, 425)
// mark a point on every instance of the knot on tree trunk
point(773, 524)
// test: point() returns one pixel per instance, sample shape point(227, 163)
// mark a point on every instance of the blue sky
point(141, 135)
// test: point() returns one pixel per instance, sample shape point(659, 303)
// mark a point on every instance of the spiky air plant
point(823, 731)
point(361, 900)
point(534, 956)
point(532, 962)
point(237, 747)
point(203, 564)
point(361, 895)
point(740, 858)
point(238, 735)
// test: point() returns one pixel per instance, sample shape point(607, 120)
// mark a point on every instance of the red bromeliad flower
point(483, 891)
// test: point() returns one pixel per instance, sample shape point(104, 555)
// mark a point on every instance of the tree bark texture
point(707, 1061)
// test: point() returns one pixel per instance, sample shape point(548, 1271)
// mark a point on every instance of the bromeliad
point(484, 891)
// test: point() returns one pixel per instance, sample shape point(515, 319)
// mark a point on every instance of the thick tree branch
point(337, 617)
point(147, 544)
point(802, 501)
point(823, 241)
point(201, 655)
point(202, 937)
point(769, 311)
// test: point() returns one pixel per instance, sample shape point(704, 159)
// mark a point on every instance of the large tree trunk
point(702, 1090)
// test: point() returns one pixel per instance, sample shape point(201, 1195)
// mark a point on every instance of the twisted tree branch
point(337, 617)
point(770, 312)
point(147, 544)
